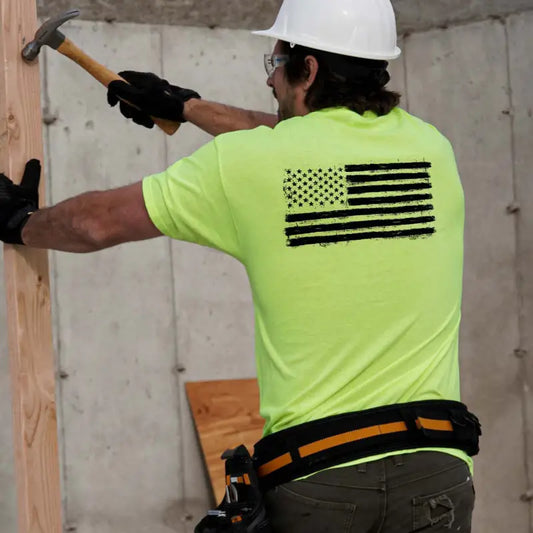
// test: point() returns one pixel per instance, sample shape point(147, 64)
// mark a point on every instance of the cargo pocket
point(444, 510)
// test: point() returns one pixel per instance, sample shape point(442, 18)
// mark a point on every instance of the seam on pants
point(358, 487)
point(383, 498)
point(431, 474)
point(383, 511)
point(349, 519)
point(319, 502)
point(418, 499)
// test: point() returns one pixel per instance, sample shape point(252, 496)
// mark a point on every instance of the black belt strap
point(313, 446)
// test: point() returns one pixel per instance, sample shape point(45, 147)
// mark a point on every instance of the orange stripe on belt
point(275, 464)
point(351, 436)
point(435, 425)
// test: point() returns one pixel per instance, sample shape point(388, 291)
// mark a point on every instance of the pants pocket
point(446, 509)
point(290, 512)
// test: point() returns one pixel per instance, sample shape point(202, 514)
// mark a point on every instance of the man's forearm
point(91, 222)
point(63, 227)
point(215, 118)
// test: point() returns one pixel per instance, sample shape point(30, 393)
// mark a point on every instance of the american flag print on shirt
point(337, 204)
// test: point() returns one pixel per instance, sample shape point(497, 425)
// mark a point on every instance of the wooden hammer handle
point(105, 76)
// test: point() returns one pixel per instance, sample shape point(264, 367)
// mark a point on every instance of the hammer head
point(48, 34)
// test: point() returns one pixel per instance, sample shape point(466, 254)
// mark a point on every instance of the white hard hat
point(357, 28)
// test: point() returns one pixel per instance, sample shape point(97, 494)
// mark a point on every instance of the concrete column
point(520, 38)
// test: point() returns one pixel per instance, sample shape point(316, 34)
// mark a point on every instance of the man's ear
point(311, 67)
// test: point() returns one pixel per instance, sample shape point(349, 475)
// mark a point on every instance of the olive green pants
point(423, 491)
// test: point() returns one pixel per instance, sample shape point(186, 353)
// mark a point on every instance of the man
point(348, 215)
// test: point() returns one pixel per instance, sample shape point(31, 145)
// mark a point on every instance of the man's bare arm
point(92, 221)
point(215, 118)
point(150, 96)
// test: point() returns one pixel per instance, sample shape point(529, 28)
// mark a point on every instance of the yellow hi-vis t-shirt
point(350, 228)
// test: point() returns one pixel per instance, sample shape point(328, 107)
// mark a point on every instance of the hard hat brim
point(334, 50)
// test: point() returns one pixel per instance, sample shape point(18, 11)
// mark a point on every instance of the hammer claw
point(52, 24)
point(48, 34)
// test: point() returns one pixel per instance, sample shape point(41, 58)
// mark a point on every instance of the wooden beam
point(226, 414)
point(27, 288)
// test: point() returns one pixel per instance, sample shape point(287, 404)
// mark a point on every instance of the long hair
point(342, 81)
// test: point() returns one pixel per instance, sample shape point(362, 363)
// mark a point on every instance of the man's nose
point(269, 82)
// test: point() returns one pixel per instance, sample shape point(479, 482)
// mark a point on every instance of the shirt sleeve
point(188, 202)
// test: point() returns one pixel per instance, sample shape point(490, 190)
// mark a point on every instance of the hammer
point(48, 34)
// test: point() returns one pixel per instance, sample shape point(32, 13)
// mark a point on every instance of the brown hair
point(342, 81)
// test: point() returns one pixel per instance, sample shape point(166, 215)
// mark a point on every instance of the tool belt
point(302, 450)
point(307, 448)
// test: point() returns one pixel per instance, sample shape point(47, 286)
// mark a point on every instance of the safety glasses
point(273, 61)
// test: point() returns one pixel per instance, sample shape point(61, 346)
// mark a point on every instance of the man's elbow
point(94, 234)
point(109, 218)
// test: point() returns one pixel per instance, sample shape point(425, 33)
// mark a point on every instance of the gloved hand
point(152, 96)
point(18, 202)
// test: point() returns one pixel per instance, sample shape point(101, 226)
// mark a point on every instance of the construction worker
point(348, 214)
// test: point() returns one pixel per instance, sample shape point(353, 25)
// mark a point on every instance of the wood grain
point(27, 288)
point(226, 414)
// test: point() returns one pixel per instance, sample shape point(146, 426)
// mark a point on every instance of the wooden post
point(27, 288)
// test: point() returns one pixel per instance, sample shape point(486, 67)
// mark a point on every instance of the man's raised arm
point(151, 96)
point(215, 118)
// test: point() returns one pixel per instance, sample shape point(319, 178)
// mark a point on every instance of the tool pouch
point(242, 510)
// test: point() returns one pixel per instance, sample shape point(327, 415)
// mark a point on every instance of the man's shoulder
point(244, 136)
point(418, 122)
point(260, 140)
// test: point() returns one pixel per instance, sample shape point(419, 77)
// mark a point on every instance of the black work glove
point(18, 202)
point(152, 96)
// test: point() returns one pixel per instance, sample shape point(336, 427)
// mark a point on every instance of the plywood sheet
point(226, 414)
point(457, 79)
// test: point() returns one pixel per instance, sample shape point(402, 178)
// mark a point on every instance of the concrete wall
point(412, 15)
point(134, 323)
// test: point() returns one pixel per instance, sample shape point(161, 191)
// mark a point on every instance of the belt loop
point(361, 468)
point(398, 460)
point(409, 417)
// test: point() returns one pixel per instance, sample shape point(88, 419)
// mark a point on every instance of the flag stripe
point(365, 224)
point(397, 210)
point(389, 188)
point(365, 178)
point(390, 199)
point(327, 239)
point(387, 166)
